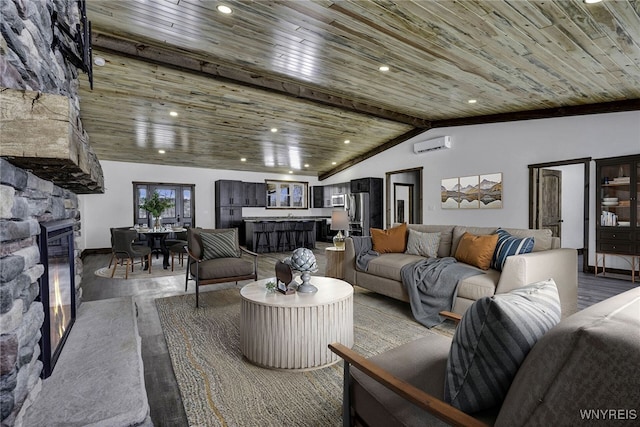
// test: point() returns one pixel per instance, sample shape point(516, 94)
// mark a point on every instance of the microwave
point(338, 199)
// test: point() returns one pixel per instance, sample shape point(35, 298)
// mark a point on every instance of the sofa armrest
point(429, 403)
point(561, 265)
point(349, 268)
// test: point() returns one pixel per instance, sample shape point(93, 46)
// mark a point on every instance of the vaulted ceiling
point(310, 69)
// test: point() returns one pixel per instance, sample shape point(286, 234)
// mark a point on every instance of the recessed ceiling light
point(244, 159)
point(306, 165)
point(592, 1)
point(274, 130)
point(99, 61)
point(224, 9)
point(472, 101)
point(161, 151)
point(346, 141)
point(383, 68)
point(333, 163)
point(173, 114)
point(290, 171)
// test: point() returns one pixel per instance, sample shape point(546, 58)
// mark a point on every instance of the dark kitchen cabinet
point(229, 193)
point(317, 193)
point(361, 185)
point(254, 194)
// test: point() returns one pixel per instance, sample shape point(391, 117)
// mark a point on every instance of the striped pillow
point(507, 246)
point(491, 341)
point(219, 245)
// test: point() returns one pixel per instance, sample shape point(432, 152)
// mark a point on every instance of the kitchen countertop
point(286, 218)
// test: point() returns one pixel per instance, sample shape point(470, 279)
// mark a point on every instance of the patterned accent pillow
point(491, 341)
point(509, 245)
point(423, 244)
point(219, 245)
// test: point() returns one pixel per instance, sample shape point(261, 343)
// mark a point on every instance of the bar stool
point(262, 231)
point(291, 234)
point(309, 234)
point(282, 236)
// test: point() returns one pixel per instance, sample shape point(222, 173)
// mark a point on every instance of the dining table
point(159, 235)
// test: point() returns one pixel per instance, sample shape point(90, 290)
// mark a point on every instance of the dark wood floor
point(163, 393)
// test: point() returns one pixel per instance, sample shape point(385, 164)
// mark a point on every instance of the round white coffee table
point(293, 331)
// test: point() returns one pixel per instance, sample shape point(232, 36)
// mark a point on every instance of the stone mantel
point(40, 134)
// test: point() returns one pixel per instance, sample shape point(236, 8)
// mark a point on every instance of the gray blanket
point(363, 248)
point(432, 286)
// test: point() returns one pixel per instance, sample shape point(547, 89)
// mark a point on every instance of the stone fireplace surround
point(46, 161)
point(25, 201)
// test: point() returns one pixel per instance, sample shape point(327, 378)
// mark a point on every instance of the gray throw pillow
point(491, 341)
point(219, 245)
point(423, 244)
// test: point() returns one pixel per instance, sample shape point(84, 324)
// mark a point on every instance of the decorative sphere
point(302, 259)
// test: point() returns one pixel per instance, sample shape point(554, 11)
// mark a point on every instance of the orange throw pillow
point(391, 240)
point(477, 250)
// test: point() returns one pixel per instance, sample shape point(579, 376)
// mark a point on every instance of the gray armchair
point(215, 256)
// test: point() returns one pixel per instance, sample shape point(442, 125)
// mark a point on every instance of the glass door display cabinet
point(618, 209)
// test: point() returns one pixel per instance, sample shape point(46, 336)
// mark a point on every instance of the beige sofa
point(546, 261)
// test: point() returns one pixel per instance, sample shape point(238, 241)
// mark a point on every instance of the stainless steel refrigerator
point(357, 207)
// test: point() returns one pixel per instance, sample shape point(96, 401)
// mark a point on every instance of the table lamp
point(339, 221)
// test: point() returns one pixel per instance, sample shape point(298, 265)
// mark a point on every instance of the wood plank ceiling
point(311, 70)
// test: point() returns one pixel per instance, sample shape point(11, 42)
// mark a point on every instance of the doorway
point(559, 201)
point(404, 196)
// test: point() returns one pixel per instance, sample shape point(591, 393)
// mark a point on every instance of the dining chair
point(124, 249)
point(178, 246)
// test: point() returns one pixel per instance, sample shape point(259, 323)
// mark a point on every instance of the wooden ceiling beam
point(177, 60)
point(546, 113)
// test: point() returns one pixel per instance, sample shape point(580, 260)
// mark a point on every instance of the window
point(181, 195)
point(287, 194)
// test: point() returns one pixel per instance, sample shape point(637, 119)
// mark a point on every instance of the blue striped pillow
point(507, 246)
point(491, 341)
point(223, 244)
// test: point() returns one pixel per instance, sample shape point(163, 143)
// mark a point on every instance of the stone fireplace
point(57, 290)
point(46, 160)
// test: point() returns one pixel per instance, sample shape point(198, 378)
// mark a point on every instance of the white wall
point(114, 208)
point(501, 147)
point(508, 148)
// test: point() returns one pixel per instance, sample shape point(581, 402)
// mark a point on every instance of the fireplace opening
point(57, 289)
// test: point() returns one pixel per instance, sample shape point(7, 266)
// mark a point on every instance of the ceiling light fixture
point(290, 171)
point(99, 61)
point(243, 159)
point(173, 114)
point(592, 1)
point(334, 163)
point(472, 101)
point(346, 141)
point(306, 165)
point(383, 68)
point(224, 9)
point(274, 130)
point(161, 151)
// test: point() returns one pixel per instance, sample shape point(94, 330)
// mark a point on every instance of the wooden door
point(550, 197)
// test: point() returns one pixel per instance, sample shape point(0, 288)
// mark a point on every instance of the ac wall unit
point(434, 144)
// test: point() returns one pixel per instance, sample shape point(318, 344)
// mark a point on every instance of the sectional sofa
point(547, 260)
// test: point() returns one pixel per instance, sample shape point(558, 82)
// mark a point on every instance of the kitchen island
point(281, 234)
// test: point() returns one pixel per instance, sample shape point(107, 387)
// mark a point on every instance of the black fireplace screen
point(57, 289)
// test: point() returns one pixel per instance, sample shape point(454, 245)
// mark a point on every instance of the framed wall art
point(472, 192)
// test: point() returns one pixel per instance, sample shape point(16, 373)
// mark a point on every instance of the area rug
point(220, 388)
point(138, 273)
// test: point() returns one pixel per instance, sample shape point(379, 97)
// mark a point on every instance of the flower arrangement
point(155, 205)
